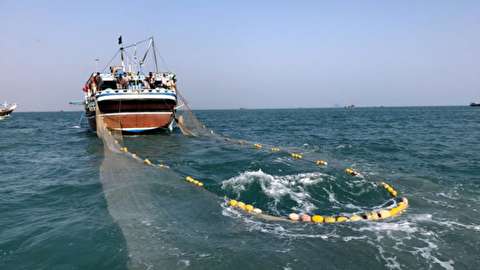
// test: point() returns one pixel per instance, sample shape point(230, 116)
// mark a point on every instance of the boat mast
point(154, 55)
point(121, 52)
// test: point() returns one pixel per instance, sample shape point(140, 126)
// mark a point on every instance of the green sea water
point(65, 203)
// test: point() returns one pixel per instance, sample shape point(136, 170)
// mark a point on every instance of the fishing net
point(191, 126)
point(188, 123)
point(145, 197)
point(145, 200)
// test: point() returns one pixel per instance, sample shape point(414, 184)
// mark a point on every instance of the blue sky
point(249, 53)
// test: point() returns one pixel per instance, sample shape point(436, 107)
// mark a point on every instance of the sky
point(250, 54)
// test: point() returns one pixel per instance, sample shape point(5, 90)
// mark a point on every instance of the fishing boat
point(129, 99)
point(7, 109)
point(475, 104)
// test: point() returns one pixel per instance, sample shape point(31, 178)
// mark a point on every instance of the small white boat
point(7, 109)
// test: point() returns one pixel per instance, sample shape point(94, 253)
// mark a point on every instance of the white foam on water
point(350, 238)
point(278, 187)
point(450, 224)
point(146, 223)
point(427, 253)
point(185, 263)
point(395, 239)
point(390, 261)
point(340, 146)
point(442, 203)
point(405, 236)
point(402, 226)
point(455, 224)
point(452, 195)
point(421, 217)
point(410, 234)
point(331, 196)
point(352, 206)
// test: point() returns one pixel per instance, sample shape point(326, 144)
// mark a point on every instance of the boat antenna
point(121, 51)
point(154, 55)
point(135, 58)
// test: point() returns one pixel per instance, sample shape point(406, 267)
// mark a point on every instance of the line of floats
point(398, 205)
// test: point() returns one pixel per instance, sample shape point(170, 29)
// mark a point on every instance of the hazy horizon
point(271, 54)
point(80, 109)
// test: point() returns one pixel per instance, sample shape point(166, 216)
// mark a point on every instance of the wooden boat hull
point(133, 111)
point(136, 122)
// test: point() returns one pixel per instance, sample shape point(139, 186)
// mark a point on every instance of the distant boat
point(7, 109)
point(475, 104)
point(349, 106)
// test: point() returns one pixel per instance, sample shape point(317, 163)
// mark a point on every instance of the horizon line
point(273, 108)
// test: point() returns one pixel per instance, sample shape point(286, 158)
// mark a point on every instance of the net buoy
point(241, 205)
point(352, 172)
point(355, 218)
point(294, 217)
point(232, 203)
point(342, 219)
point(329, 219)
point(372, 215)
point(384, 214)
point(296, 155)
point(257, 211)
point(321, 162)
point(305, 218)
point(317, 219)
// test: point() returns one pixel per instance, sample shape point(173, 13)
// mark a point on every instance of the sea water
point(58, 212)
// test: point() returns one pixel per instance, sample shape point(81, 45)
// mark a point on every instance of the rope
point(111, 60)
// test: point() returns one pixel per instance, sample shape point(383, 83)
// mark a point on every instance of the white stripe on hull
point(134, 113)
point(135, 97)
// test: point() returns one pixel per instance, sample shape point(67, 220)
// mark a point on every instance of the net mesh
point(139, 195)
point(110, 131)
point(145, 202)
point(188, 123)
